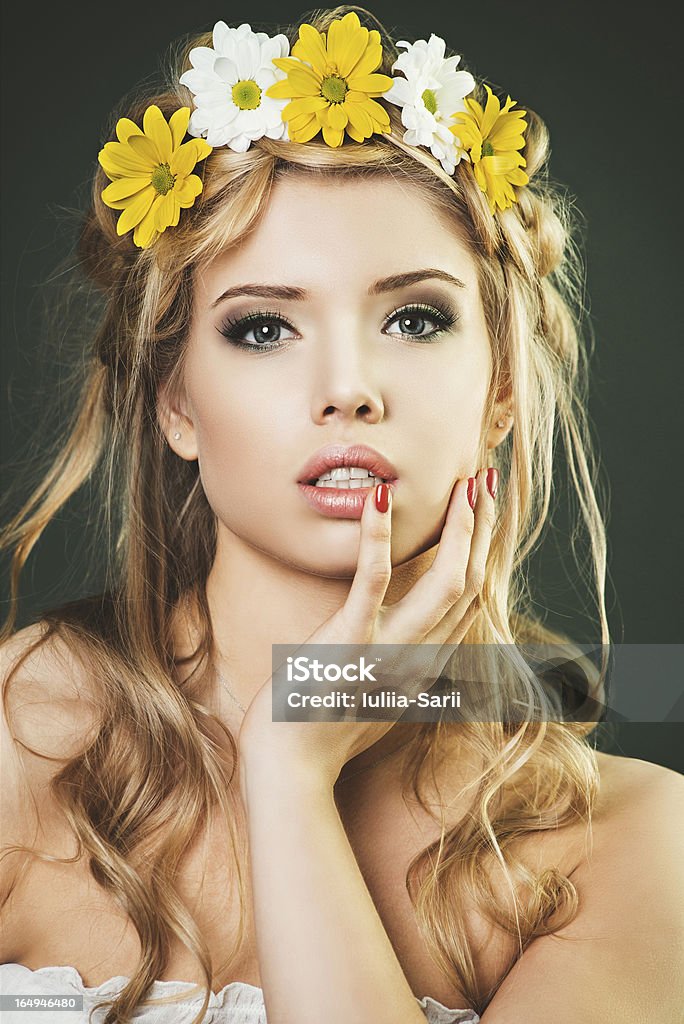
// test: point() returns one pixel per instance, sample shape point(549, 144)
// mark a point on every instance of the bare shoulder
point(624, 942)
point(647, 795)
point(45, 717)
point(45, 691)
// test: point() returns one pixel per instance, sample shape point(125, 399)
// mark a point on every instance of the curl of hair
point(164, 546)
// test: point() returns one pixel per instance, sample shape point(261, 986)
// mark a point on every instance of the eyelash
point(233, 329)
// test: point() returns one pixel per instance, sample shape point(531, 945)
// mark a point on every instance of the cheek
point(450, 424)
point(234, 426)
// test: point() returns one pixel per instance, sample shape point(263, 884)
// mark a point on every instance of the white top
point(236, 1003)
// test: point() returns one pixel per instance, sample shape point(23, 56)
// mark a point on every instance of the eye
point(413, 319)
point(267, 328)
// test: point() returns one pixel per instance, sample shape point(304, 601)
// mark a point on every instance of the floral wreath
point(248, 86)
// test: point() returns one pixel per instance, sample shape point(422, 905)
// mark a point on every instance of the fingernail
point(472, 491)
point(382, 497)
point(492, 480)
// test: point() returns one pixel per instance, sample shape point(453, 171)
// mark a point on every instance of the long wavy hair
point(122, 792)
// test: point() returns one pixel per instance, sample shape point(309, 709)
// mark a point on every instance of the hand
point(438, 609)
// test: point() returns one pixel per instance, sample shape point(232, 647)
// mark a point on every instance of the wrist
point(266, 773)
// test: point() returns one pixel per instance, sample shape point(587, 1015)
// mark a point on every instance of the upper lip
point(334, 456)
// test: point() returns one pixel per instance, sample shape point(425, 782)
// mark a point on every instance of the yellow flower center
point(487, 149)
point(430, 101)
point(334, 89)
point(162, 179)
point(246, 94)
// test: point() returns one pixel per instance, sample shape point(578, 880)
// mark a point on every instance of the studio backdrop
point(605, 85)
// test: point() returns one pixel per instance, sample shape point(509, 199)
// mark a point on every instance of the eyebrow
point(294, 294)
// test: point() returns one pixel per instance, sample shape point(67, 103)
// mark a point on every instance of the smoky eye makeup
point(412, 318)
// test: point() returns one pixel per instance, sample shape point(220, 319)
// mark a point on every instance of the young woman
point(310, 260)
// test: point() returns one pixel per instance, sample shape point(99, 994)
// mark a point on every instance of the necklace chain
point(366, 768)
point(230, 693)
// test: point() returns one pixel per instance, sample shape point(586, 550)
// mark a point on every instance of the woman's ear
point(176, 423)
point(501, 423)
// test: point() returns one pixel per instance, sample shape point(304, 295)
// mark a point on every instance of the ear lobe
point(176, 425)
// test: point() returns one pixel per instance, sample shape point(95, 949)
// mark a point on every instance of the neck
point(256, 600)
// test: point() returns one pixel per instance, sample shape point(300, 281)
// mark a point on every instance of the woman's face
point(349, 361)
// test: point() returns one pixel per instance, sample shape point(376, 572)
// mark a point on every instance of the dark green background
point(607, 84)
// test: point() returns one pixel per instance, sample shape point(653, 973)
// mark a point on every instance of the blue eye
point(419, 313)
point(267, 326)
point(235, 330)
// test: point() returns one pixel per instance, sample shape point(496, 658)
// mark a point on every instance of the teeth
point(347, 478)
point(349, 473)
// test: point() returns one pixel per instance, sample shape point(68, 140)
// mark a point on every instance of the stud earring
point(500, 424)
point(177, 436)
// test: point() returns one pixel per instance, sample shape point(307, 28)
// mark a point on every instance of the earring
point(500, 424)
point(177, 436)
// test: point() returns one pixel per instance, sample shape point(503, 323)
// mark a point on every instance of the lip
point(335, 456)
point(343, 504)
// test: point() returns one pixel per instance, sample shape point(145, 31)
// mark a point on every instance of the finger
point(484, 519)
point(438, 589)
point(374, 565)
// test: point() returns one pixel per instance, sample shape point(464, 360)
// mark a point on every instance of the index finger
point(374, 564)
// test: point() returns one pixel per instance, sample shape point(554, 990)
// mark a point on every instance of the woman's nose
point(347, 380)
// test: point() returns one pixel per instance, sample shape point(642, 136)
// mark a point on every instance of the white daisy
point(430, 94)
point(229, 84)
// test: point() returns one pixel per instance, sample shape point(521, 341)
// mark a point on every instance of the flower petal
point(123, 188)
point(370, 59)
point(146, 149)
point(304, 82)
point(312, 47)
point(156, 128)
point(188, 190)
point(374, 85)
point(125, 128)
point(400, 93)
point(490, 114)
point(303, 128)
point(203, 149)
point(377, 113)
point(178, 123)
point(337, 116)
point(184, 159)
point(332, 136)
point(202, 58)
point(227, 70)
point(353, 47)
point(303, 105)
point(340, 32)
point(165, 212)
point(145, 233)
point(359, 119)
point(282, 90)
point(119, 160)
point(135, 212)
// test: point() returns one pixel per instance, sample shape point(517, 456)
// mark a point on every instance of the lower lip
point(336, 503)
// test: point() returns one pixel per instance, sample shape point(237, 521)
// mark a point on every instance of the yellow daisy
point(150, 171)
point(332, 92)
point(493, 137)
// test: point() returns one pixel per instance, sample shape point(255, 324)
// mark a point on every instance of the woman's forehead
point(338, 233)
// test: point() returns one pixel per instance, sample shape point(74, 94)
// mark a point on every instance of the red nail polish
point(382, 497)
point(492, 481)
point(472, 491)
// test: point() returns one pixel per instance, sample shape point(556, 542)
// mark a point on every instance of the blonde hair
point(122, 793)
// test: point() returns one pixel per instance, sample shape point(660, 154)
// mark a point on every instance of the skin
point(284, 573)
point(346, 373)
